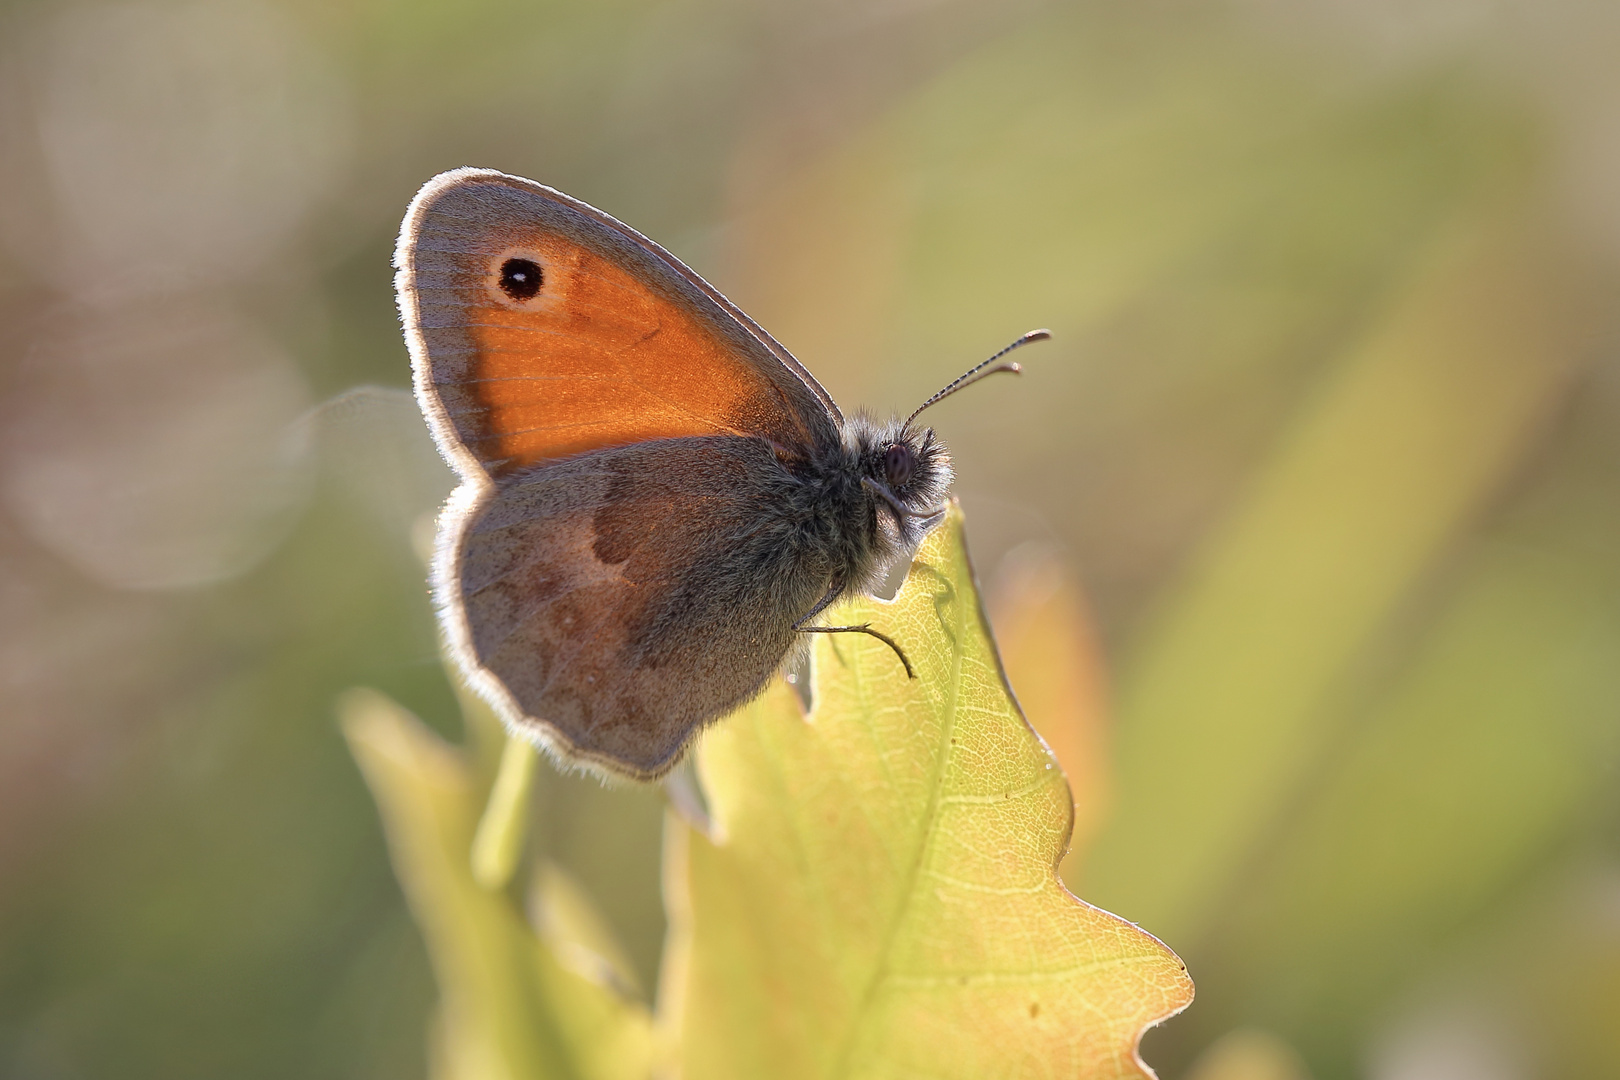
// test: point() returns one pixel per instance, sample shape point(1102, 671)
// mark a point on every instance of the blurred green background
point(1330, 433)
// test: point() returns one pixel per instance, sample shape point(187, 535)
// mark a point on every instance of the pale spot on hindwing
point(627, 596)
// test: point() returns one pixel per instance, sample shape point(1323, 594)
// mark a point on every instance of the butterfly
point(656, 498)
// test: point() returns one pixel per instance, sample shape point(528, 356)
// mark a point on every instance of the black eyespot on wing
point(521, 278)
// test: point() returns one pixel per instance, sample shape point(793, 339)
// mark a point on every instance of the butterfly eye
point(897, 464)
point(520, 278)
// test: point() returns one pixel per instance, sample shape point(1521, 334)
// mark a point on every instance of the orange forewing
point(616, 348)
point(605, 363)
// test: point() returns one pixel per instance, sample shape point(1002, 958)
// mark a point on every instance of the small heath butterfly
point(656, 498)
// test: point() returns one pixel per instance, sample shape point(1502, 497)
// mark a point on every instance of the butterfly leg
point(864, 628)
point(833, 593)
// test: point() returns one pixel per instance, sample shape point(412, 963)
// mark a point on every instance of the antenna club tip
point(1038, 335)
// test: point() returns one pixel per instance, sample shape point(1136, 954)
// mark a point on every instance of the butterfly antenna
point(977, 372)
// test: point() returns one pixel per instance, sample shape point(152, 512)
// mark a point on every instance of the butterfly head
point(906, 471)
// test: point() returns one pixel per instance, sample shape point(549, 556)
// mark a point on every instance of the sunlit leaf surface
point(882, 898)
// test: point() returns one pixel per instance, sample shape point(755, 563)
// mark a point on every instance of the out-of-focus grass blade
point(508, 1007)
point(498, 842)
point(1493, 742)
point(1222, 706)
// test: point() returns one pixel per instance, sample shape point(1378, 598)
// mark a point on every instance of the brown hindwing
point(625, 597)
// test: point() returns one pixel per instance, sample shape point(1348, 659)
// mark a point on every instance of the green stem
point(499, 839)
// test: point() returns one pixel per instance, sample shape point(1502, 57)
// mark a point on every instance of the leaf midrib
point(880, 970)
